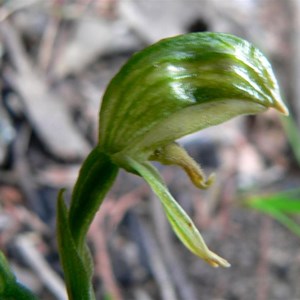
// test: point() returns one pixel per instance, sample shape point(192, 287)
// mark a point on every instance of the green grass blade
point(285, 202)
point(279, 206)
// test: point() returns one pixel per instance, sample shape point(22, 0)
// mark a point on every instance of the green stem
point(96, 176)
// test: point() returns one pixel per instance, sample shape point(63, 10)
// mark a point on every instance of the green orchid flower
point(173, 88)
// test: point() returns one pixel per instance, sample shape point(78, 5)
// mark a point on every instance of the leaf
point(179, 220)
point(77, 273)
point(10, 289)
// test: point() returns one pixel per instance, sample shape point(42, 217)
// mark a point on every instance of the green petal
point(192, 119)
point(179, 220)
point(213, 76)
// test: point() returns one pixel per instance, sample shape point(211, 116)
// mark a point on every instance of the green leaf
point(181, 223)
point(10, 288)
point(77, 272)
point(181, 85)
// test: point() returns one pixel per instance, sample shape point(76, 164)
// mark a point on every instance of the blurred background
point(56, 58)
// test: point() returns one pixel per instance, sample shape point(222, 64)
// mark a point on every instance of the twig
point(113, 211)
point(140, 22)
point(123, 204)
point(10, 229)
point(47, 43)
point(262, 268)
point(141, 295)
point(177, 273)
point(157, 264)
point(15, 6)
point(22, 168)
point(229, 190)
point(31, 220)
point(103, 265)
point(14, 48)
point(35, 260)
point(47, 113)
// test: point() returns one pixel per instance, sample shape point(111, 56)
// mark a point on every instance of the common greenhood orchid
point(173, 88)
